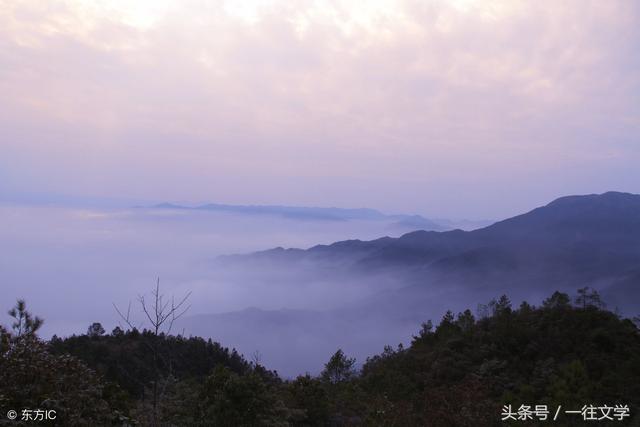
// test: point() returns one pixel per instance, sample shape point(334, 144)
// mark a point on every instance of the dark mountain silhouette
point(574, 240)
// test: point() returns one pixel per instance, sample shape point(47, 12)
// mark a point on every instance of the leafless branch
point(127, 318)
point(161, 315)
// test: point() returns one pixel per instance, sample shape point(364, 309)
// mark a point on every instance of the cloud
point(318, 103)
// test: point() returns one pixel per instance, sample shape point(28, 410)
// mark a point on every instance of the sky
point(459, 108)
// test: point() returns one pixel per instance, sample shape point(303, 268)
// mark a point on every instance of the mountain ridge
point(577, 238)
point(313, 213)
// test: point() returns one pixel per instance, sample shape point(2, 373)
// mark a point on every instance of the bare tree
point(161, 315)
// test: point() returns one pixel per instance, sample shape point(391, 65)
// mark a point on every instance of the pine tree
point(339, 368)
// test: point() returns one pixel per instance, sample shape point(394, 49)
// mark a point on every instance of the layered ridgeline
point(570, 243)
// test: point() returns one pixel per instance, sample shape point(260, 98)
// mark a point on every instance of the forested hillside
point(568, 352)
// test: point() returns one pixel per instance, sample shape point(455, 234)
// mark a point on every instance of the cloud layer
point(451, 108)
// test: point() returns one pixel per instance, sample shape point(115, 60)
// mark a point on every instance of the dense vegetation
point(458, 373)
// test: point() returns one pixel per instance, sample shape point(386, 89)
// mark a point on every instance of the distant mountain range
point(400, 221)
point(574, 241)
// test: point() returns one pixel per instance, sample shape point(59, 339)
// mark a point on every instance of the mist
point(279, 286)
point(71, 264)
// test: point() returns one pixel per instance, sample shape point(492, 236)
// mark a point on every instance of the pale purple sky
point(459, 108)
